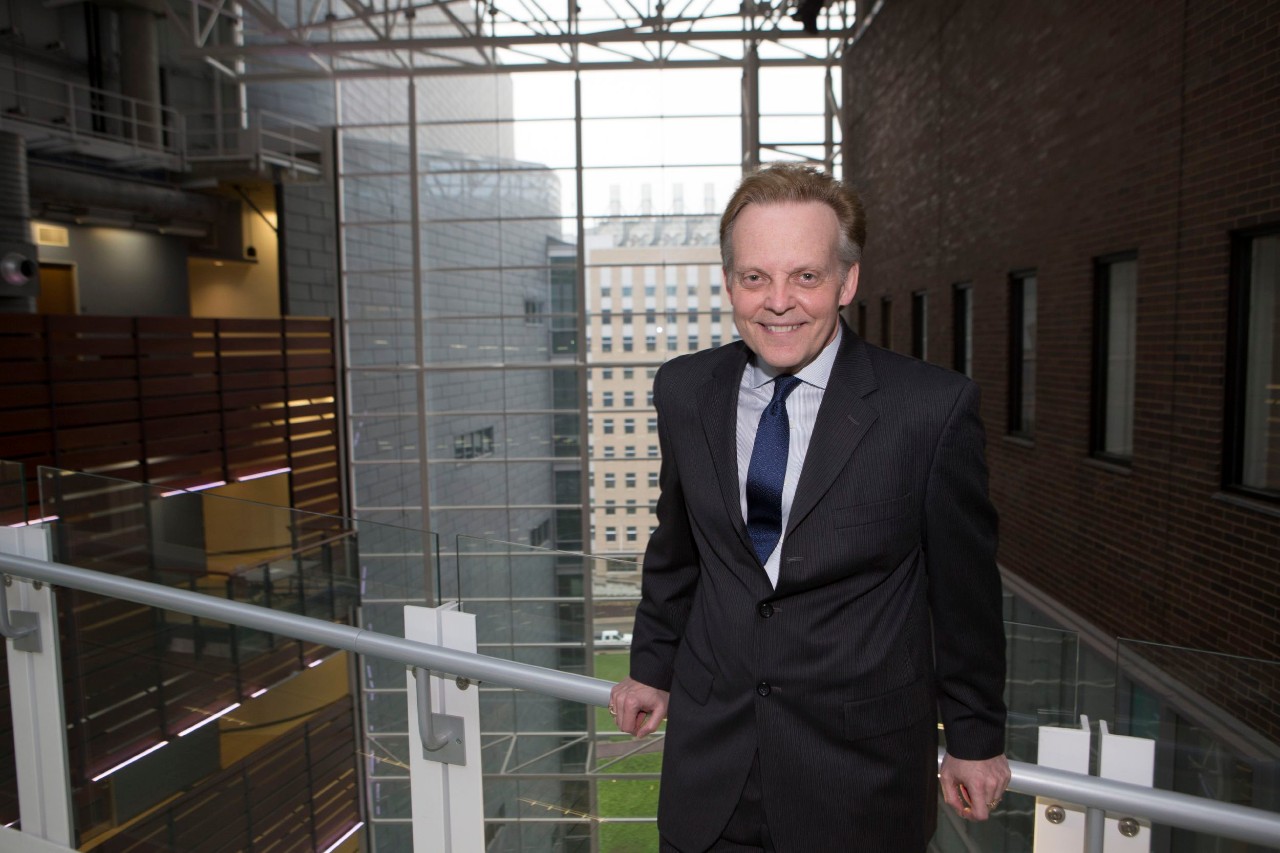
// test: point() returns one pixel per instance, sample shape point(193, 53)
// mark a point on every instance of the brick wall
point(989, 137)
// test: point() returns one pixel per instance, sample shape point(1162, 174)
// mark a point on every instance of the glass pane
point(791, 91)
point(379, 295)
point(672, 141)
point(13, 494)
point(373, 101)
point(1261, 456)
point(1213, 719)
point(374, 150)
point(1121, 340)
point(530, 606)
point(661, 93)
point(670, 190)
point(1028, 319)
point(542, 95)
point(380, 248)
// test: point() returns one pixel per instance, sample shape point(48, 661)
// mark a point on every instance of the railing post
point(1060, 826)
point(447, 799)
point(35, 693)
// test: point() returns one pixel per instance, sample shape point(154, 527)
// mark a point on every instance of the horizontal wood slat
point(169, 400)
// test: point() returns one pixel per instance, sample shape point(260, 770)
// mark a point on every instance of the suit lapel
point(843, 420)
point(720, 423)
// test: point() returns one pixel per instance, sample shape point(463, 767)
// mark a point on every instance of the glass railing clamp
point(443, 735)
point(21, 626)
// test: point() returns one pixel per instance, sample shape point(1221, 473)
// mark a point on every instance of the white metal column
point(448, 798)
point(35, 692)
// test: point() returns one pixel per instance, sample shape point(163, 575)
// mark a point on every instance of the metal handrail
point(1184, 811)
point(168, 121)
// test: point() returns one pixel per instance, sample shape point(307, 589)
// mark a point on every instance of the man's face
point(787, 285)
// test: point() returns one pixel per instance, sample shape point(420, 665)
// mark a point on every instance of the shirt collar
point(816, 373)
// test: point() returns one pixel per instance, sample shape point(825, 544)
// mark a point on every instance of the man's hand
point(637, 708)
point(973, 788)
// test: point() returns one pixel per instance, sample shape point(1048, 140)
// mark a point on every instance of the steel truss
point(255, 41)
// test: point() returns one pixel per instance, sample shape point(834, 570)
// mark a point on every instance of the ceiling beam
point(249, 51)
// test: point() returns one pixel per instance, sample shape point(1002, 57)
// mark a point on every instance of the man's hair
point(780, 183)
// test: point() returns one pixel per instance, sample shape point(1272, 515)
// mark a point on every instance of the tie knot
point(783, 385)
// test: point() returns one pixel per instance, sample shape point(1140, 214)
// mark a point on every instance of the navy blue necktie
point(768, 470)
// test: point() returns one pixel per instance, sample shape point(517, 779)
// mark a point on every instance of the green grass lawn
point(629, 798)
point(625, 797)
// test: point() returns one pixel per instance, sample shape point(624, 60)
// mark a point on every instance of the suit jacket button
point(763, 688)
point(766, 609)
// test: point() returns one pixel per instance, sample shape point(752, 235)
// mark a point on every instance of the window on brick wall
point(1253, 411)
point(886, 322)
point(962, 328)
point(1115, 310)
point(920, 325)
point(1022, 353)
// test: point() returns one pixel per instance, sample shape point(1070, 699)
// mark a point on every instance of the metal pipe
point(1184, 811)
point(431, 740)
point(1095, 824)
point(562, 685)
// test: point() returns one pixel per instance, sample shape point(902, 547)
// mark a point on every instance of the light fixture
point(189, 489)
point(33, 522)
point(350, 832)
point(261, 474)
point(209, 719)
point(129, 761)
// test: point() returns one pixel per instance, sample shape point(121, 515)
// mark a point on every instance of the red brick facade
point(992, 137)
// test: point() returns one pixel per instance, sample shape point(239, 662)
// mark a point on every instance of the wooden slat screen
point(172, 401)
point(297, 793)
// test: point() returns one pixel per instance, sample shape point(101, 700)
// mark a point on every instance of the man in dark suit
point(822, 581)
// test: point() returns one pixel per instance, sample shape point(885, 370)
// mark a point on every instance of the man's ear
point(850, 285)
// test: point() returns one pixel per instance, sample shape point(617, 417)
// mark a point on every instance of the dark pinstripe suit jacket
point(887, 608)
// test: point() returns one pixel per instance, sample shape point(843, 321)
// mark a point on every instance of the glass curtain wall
point(520, 254)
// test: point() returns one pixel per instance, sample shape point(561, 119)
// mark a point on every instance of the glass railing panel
point(13, 511)
point(138, 676)
point(277, 770)
point(528, 608)
point(1042, 688)
point(557, 774)
point(1214, 719)
point(13, 493)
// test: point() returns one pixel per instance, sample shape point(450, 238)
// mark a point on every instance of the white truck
point(613, 638)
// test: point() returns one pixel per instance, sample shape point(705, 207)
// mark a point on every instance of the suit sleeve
point(670, 568)
point(964, 587)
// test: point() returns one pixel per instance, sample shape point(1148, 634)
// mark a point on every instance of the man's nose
point(777, 297)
